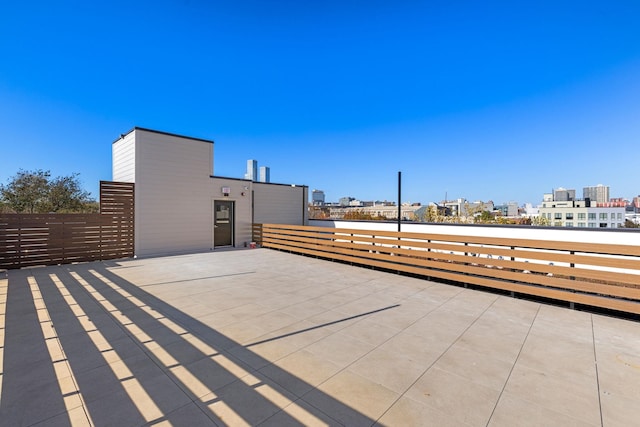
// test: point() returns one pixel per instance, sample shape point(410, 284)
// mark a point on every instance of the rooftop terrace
point(261, 337)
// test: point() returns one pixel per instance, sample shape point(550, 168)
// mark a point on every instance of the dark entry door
point(222, 223)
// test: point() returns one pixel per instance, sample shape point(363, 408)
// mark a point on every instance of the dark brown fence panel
point(599, 275)
point(117, 198)
point(50, 239)
point(117, 227)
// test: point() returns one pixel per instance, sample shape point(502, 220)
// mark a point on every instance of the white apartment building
point(580, 213)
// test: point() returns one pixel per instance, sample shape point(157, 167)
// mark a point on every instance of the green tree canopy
point(37, 192)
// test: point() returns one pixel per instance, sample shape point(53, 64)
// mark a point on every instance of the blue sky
point(492, 100)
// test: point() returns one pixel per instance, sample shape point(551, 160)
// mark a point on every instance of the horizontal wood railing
point(49, 239)
point(593, 274)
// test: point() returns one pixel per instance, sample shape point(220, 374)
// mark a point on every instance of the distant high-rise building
point(252, 170)
point(597, 194)
point(317, 197)
point(265, 174)
point(564, 195)
point(344, 201)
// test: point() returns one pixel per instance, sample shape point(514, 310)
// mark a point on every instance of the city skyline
point(597, 193)
point(499, 103)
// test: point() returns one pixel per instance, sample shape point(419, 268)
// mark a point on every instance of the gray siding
point(173, 213)
point(124, 159)
point(175, 193)
point(279, 204)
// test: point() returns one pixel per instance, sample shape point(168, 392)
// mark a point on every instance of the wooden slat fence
point(50, 239)
point(598, 275)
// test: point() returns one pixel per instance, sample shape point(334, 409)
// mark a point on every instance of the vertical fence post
point(572, 265)
point(399, 205)
point(513, 248)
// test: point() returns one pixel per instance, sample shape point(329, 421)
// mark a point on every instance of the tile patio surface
point(260, 337)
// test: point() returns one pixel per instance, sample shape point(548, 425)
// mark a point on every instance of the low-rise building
point(581, 213)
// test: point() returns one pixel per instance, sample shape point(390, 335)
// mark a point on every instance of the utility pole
point(399, 199)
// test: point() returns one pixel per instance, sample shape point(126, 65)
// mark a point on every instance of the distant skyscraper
point(344, 201)
point(252, 170)
point(597, 194)
point(265, 174)
point(564, 195)
point(317, 197)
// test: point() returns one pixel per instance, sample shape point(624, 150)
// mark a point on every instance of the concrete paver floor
point(260, 337)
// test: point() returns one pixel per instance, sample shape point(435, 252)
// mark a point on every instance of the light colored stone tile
point(298, 335)
point(512, 310)
point(557, 394)
point(290, 307)
point(619, 373)
point(275, 320)
point(619, 410)
point(513, 411)
point(243, 332)
point(403, 316)
point(245, 402)
point(424, 349)
point(340, 349)
point(74, 417)
point(301, 371)
point(366, 304)
point(561, 323)
point(332, 320)
point(300, 413)
point(203, 377)
point(616, 334)
point(567, 360)
point(408, 412)
point(502, 342)
point(470, 302)
point(303, 310)
point(464, 400)
point(238, 313)
point(391, 369)
point(261, 355)
point(128, 412)
point(188, 415)
point(478, 367)
point(370, 331)
point(352, 399)
point(441, 322)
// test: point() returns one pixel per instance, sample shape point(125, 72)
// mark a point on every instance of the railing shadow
point(128, 358)
point(29, 381)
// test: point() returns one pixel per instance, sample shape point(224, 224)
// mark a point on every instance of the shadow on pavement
point(84, 345)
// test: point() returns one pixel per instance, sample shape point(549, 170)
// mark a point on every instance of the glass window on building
point(582, 215)
point(568, 224)
point(557, 224)
point(603, 216)
point(619, 215)
point(592, 225)
point(557, 215)
point(592, 215)
point(603, 225)
point(581, 224)
point(569, 215)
